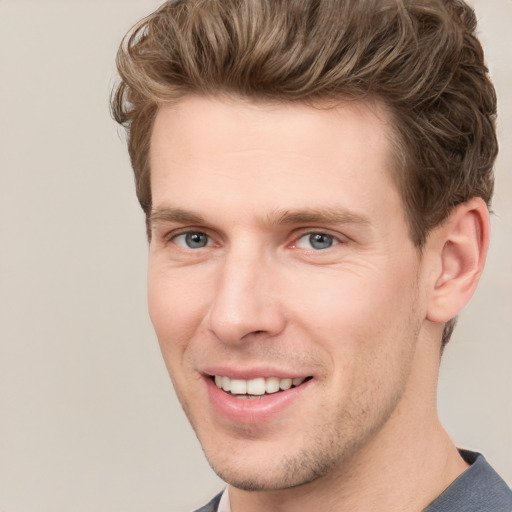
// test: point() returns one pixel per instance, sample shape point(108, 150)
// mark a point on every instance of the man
point(316, 177)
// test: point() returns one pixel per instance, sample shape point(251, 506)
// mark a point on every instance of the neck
point(407, 478)
point(404, 467)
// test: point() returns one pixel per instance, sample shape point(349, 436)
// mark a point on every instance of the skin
point(362, 317)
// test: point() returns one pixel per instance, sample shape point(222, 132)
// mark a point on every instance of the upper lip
point(249, 373)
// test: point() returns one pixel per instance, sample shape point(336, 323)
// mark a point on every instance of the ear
point(460, 247)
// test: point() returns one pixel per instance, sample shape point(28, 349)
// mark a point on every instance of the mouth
point(258, 398)
point(256, 388)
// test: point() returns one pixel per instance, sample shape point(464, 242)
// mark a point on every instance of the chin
point(286, 475)
point(274, 473)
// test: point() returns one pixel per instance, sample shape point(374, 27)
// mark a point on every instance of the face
point(283, 286)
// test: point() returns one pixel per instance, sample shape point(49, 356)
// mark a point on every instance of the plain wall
point(88, 419)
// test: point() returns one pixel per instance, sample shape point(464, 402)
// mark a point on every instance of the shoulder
point(212, 505)
point(478, 489)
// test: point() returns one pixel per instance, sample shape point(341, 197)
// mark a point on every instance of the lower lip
point(250, 411)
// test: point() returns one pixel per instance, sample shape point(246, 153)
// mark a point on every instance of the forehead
point(271, 155)
point(206, 120)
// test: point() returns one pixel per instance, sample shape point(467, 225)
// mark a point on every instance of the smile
point(258, 386)
point(254, 400)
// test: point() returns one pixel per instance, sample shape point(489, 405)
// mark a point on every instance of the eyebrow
point(166, 214)
point(318, 216)
point(325, 216)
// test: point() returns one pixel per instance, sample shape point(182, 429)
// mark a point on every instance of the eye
point(317, 241)
point(192, 240)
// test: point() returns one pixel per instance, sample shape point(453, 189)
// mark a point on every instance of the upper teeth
point(258, 386)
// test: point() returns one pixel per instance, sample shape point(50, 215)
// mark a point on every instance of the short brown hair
point(420, 58)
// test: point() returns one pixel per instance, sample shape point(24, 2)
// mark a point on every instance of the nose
point(246, 302)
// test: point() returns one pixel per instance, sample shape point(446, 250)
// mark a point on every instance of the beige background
point(88, 419)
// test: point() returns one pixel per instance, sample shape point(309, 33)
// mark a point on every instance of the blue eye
point(192, 240)
point(317, 241)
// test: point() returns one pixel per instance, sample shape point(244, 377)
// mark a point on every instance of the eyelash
point(331, 239)
point(190, 232)
point(310, 234)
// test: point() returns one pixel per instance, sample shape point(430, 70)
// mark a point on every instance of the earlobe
point(462, 243)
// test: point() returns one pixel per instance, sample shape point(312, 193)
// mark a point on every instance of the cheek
point(176, 312)
point(359, 314)
point(175, 305)
point(354, 299)
point(367, 327)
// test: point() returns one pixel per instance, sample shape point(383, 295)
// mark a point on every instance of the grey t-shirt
point(478, 489)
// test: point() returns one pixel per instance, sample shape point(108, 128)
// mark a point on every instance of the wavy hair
point(420, 58)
